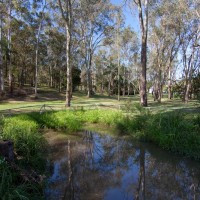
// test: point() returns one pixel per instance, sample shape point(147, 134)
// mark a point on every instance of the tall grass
point(28, 142)
point(175, 131)
point(13, 187)
point(73, 120)
point(29, 145)
point(25, 129)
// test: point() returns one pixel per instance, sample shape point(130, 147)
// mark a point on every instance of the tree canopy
point(86, 45)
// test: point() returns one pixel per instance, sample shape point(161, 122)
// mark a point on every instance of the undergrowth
point(175, 131)
point(12, 187)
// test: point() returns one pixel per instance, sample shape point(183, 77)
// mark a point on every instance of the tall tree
point(94, 25)
point(41, 19)
point(129, 48)
point(9, 63)
point(143, 19)
point(191, 61)
point(66, 11)
point(1, 52)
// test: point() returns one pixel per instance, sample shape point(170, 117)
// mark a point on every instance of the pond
point(95, 166)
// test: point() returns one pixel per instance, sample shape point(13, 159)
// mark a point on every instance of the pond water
point(94, 166)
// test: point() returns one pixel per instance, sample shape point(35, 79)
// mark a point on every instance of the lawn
point(56, 101)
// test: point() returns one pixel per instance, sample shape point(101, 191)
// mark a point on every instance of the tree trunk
point(1, 59)
point(60, 82)
point(128, 89)
point(124, 83)
point(69, 70)
point(67, 15)
point(89, 76)
point(143, 94)
point(51, 76)
point(160, 85)
point(189, 70)
point(143, 18)
point(88, 83)
point(160, 93)
point(169, 83)
point(187, 92)
point(102, 88)
point(36, 71)
point(9, 49)
point(36, 52)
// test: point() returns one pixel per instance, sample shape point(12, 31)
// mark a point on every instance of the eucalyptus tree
point(143, 16)
point(66, 9)
point(101, 62)
point(1, 51)
point(32, 15)
point(13, 11)
point(94, 19)
point(9, 63)
point(190, 59)
point(166, 37)
point(56, 57)
point(190, 48)
point(129, 48)
point(23, 52)
point(41, 17)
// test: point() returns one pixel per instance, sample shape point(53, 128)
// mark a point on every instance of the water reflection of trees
point(102, 167)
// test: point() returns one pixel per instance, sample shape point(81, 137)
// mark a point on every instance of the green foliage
point(29, 143)
point(64, 120)
point(197, 122)
point(174, 131)
point(12, 187)
point(133, 107)
point(134, 123)
point(196, 86)
point(67, 120)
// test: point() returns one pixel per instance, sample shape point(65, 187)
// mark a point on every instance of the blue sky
point(130, 19)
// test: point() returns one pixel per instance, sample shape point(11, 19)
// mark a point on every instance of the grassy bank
point(176, 131)
point(25, 130)
point(29, 146)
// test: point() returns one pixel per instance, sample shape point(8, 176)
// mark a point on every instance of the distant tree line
point(84, 44)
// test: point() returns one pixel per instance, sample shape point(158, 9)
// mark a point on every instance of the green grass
point(13, 187)
point(172, 125)
point(176, 131)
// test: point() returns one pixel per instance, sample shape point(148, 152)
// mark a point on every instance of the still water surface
point(94, 166)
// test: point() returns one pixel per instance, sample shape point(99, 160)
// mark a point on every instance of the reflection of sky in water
point(113, 169)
